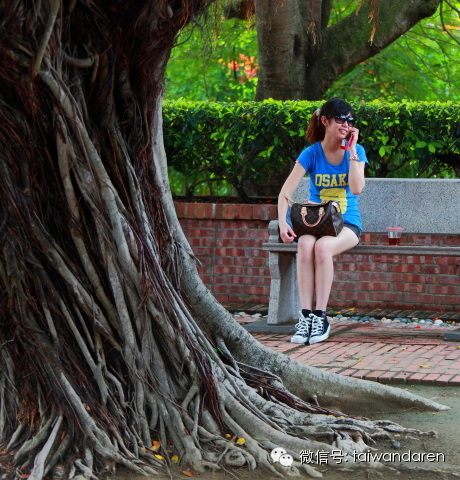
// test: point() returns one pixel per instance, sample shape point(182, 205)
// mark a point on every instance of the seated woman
point(335, 164)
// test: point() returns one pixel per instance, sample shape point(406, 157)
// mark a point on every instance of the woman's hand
point(287, 234)
point(356, 180)
point(353, 140)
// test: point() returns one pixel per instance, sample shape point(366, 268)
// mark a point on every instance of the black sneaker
point(302, 333)
point(320, 328)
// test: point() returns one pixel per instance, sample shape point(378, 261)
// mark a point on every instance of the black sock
point(319, 313)
point(305, 312)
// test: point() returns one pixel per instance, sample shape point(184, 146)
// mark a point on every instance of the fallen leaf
point(159, 457)
point(403, 348)
point(425, 366)
point(417, 326)
point(174, 459)
point(241, 441)
point(394, 359)
point(155, 445)
point(169, 451)
point(227, 435)
point(359, 359)
point(189, 474)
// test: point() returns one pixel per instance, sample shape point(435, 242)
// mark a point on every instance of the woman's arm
point(286, 233)
point(356, 180)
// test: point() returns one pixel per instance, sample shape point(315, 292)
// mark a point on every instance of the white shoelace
point(303, 326)
point(317, 325)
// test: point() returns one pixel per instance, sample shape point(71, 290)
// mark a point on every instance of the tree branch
point(330, 58)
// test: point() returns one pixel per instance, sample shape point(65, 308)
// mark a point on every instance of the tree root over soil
point(112, 352)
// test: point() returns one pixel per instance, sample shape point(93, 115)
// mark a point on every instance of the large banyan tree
point(108, 338)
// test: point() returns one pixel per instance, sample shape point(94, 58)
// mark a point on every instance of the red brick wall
point(399, 281)
point(227, 239)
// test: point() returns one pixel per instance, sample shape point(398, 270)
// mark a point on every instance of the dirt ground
point(446, 444)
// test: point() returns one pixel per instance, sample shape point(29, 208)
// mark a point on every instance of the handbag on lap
point(316, 218)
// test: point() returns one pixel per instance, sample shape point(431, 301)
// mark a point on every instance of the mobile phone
point(346, 143)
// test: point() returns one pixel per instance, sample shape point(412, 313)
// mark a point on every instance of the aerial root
point(87, 472)
point(24, 453)
point(260, 456)
point(308, 469)
point(39, 463)
point(347, 443)
point(395, 428)
point(16, 435)
point(229, 453)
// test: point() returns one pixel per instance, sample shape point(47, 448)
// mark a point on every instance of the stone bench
point(421, 206)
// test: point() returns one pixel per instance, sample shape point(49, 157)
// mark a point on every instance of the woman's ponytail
point(315, 130)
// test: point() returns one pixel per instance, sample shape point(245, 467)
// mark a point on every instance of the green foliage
point(411, 139)
point(422, 65)
point(236, 142)
point(214, 62)
point(247, 141)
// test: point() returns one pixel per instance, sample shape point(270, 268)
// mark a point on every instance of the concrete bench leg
point(284, 303)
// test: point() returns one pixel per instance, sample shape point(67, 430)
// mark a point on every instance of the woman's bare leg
point(306, 270)
point(325, 249)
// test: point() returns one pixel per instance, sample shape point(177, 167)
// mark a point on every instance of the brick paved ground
point(385, 353)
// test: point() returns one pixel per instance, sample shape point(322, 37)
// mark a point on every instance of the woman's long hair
point(334, 106)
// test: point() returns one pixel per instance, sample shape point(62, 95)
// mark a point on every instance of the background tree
point(108, 338)
point(300, 55)
point(419, 65)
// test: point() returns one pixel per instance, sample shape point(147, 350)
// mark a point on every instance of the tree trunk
point(300, 56)
point(108, 338)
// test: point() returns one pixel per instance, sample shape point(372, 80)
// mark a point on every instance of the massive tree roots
point(108, 340)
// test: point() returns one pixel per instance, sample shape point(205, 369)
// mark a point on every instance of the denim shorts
point(356, 230)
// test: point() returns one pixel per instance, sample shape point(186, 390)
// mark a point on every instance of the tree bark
point(300, 56)
point(108, 338)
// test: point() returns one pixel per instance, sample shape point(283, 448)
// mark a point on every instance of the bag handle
point(303, 214)
point(289, 200)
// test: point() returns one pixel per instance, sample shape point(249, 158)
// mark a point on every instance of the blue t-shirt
point(330, 182)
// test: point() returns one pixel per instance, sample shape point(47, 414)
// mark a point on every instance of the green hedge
point(250, 141)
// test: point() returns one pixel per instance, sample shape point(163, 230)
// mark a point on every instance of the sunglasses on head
point(341, 119)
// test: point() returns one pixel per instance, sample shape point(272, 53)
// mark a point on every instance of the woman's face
point(338, 126)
